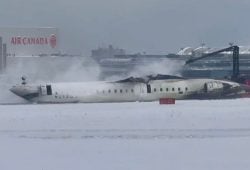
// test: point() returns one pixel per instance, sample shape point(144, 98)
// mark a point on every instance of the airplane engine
point(213, 86)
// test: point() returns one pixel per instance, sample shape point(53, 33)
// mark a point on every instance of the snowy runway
point(188, 135)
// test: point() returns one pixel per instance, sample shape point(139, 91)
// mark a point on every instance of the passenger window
point(172, 89)
point(132, 90)
point(120, 90)
point(179, 89)
point(109, 91)
point(155, 90)
point(160, 89)
point(166, 89)
point(115, 91)
point(103, 91)
point(126, 90)
point(56, 95)
point(186, 89)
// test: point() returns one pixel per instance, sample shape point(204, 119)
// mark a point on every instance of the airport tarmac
point(192, 134)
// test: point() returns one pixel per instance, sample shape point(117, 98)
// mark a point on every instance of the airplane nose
point(13, 89)
point(25, 91)
point(16, 90)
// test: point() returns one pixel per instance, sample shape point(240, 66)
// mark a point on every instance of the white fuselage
point(89, 92)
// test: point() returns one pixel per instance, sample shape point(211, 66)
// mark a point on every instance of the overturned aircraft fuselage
point(149, 88)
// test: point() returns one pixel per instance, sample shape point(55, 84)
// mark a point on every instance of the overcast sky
point(153, 26)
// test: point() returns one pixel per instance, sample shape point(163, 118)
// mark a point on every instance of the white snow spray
point(165, 66)
point(45, 69)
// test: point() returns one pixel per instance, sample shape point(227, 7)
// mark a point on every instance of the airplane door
point(43, 90)
point(142, 89)
point(148, 88)
point(49, 89)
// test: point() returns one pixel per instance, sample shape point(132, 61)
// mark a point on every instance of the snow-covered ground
point(194, 134)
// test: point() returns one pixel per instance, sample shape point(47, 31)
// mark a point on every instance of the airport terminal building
point(217, 66)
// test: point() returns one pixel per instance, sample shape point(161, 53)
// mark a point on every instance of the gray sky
point(153, 26)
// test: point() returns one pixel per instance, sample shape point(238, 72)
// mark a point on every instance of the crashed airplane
point(143, 89)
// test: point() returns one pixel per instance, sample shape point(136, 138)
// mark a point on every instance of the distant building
point(30, 41)
point(218, 66)
point(103, 53)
